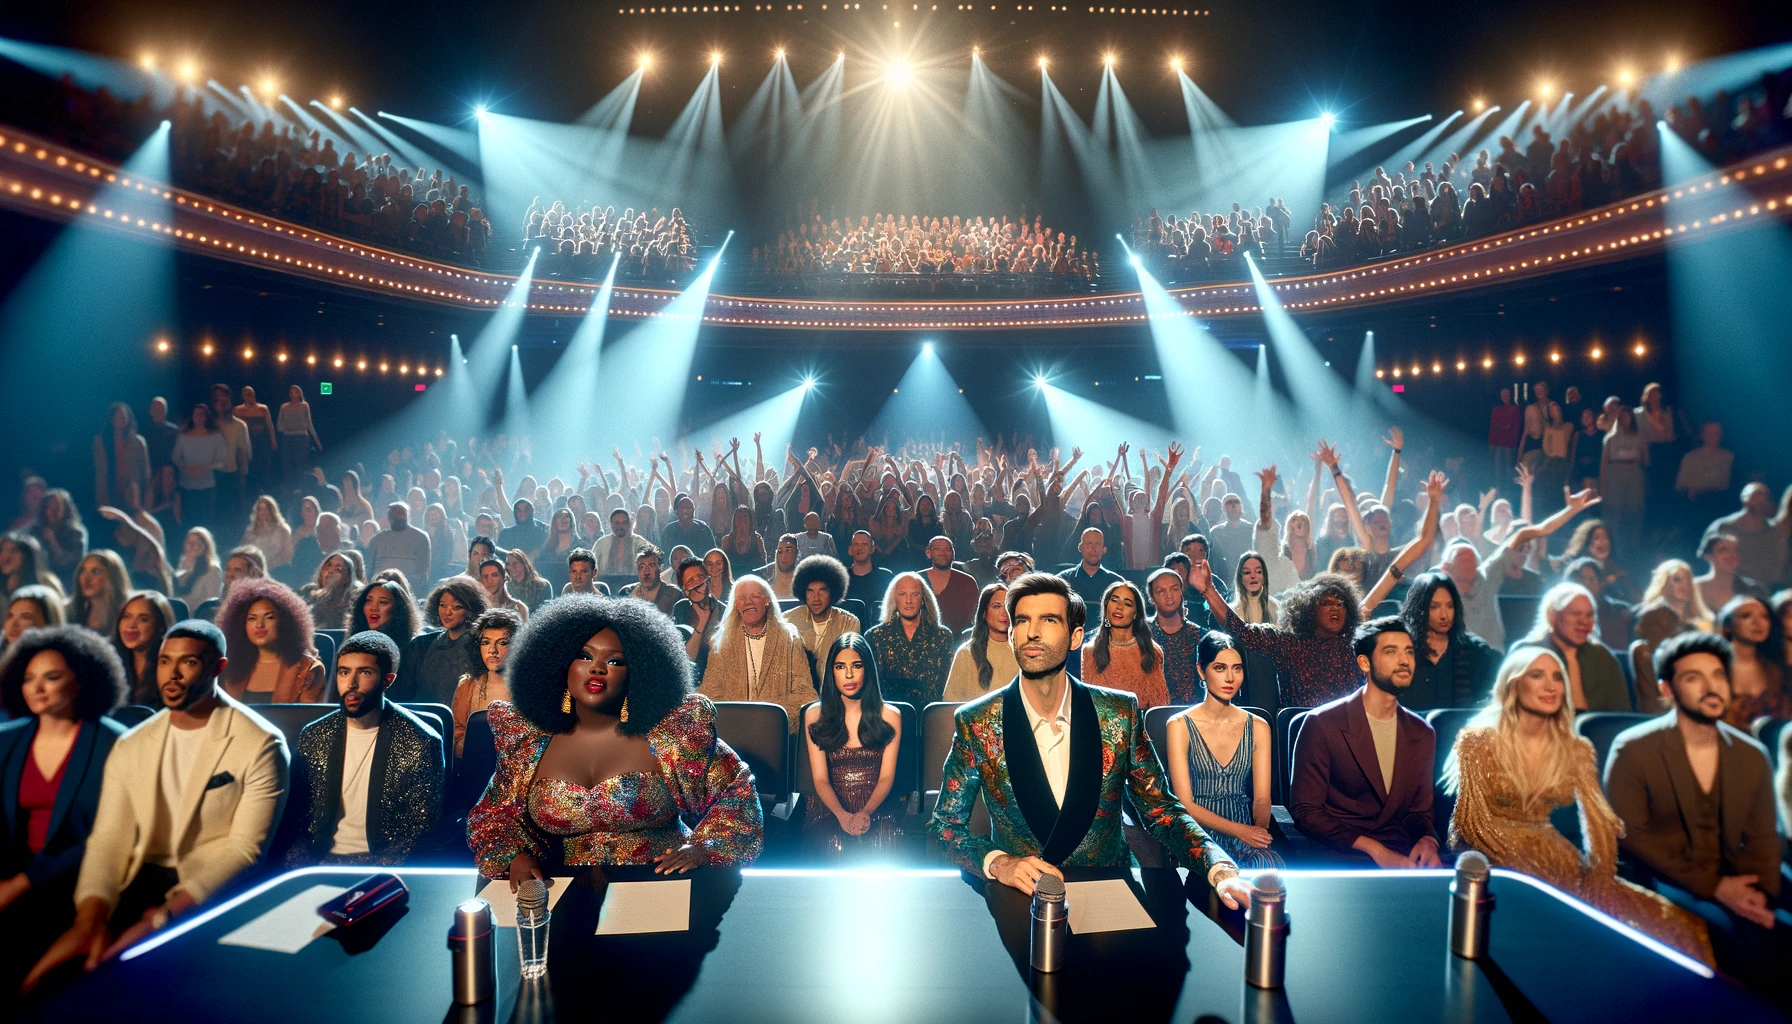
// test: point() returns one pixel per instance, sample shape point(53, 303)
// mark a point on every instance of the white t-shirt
point(179, 750)
point(357, 769)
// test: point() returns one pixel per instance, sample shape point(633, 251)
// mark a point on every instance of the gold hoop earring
point(624, 716)
point(566, 702)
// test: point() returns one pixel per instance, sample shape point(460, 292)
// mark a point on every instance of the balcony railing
point(42, 179)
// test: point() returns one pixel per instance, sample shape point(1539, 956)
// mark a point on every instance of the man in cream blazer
point(190, 798)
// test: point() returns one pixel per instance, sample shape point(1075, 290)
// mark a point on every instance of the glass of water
point(532, 927)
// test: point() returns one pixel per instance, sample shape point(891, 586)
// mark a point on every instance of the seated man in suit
point(1053, 759)
point(370, 774)
point(1363, 764)
point(1696, 797)
point(189, 800)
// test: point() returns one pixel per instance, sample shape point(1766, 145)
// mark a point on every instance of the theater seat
point(907, 785)
point(1157, 727)
point(1602, 727)
point(291, 719)
point(1284, 751)
point(326, 653)
point(760, 733)
point(473, 769)
point(440, 718)
point(937, 730)
point(1769, 731)
point(181, 609)
point(1447, 723)
point(130, 715)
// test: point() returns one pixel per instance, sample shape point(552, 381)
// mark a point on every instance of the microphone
point(1051, 919)
point(1266, 932)
point(1471, 906)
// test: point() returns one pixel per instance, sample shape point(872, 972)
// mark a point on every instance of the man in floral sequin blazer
point(1056, 801)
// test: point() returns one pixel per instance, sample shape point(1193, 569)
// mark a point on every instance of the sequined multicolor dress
point(1492, 816)
point(626, 819)
point(852, 772)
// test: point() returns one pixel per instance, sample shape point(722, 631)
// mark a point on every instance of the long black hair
point(980, 633)
point(403, 623)
point(1141, 629)
point(829, 728)
point(1415, 611)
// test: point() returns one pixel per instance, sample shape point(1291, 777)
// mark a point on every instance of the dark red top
point(1506, 426)
point(37, 798)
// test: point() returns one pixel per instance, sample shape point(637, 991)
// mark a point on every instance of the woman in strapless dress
point(606, 751)
point(852, 740)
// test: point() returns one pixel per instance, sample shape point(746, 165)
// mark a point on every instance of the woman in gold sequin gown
point(1518, 760)
point(852, 739)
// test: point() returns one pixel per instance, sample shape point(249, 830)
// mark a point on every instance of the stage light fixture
point(1042, 63)
point(1626, 77)
point(1039, 381)
point(1546, 89)
point(189, 71)
point(1597, 353)
point(1673, 63)
point(808, 383)
point(897, 77)
point(1479, 104)
point(281, 358)
point(148, 61)
point(336, 103)
point(162, 346)
point(205, 349)
point(976, 51)
point(1175, 63)
point(1107, 59)
point(644, 61)
point(479, 111)
point(715, 58)
point(927, 348)
point(311, 360)
point(269, 87)
point(1639, 349)
point(780, 54)
point(1327, 119)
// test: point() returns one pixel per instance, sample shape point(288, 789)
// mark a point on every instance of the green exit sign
point(326, 388)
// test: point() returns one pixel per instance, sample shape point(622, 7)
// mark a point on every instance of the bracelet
point(1396, 572)
point(1398, 450)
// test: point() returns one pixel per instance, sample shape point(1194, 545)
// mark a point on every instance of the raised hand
point(1582, 500)
point(1488, 495)
point(1326, 453)
point(1175, 458)
point(1395, 439)
point(1200, 577)
point(755, 437)
point(1434, 487)
point(1268, 476)
point(1524, 477)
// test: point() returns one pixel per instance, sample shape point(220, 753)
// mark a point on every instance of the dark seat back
point(1157, 728)
point(760, 733)
point(473, 769)
point(181, 609)
point(1769, 731)
point(859, 610)
point(1295, 722)
point(326, 653)
point(1602, 727)
point(1447, 723)
point(130, 715)
point(1284, 745)
point(291, 719)
point(936, 742)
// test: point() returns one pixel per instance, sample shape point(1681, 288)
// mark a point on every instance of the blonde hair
point(1501, 714)
point(1698, 613)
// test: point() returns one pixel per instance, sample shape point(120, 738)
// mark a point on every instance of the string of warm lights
point(206, 348)
point(883, 8)
point(1595, 355)
point(46, 180)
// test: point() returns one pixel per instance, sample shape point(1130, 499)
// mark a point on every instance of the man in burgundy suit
point(1363, 764)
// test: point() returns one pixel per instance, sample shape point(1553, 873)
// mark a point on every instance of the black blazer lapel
point(1026, 772)
point(1082, 790)
point(390, 722)
point(13, 773)
point(73, 775)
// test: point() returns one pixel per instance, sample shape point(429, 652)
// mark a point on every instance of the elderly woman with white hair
point(1567, 623)
point(1516, 761)
point(757, 655)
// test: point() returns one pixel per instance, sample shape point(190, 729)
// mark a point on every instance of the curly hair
point(294, 641)
point(491, 618)
point(1300, 605)
point(819, 569)
point(403, 625)
point(470, 595)
point(99, 675)
point(659, 673)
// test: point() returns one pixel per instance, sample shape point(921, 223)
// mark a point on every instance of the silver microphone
point(1051, 919)
point(1266, 932)
point(1471, 906)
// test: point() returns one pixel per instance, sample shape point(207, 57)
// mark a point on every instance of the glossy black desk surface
point(923, 946)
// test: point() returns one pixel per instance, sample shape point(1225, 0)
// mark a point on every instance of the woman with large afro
point(604, 747)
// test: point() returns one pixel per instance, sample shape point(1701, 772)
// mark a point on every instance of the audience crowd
point(1609, 152)
point(582, 242)
point(1026, 255)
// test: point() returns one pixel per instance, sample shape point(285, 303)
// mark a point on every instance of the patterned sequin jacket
point(404, 787)
point(707, 780)
point(1109, 758)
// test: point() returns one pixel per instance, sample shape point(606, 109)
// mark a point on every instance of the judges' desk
point(919, 946)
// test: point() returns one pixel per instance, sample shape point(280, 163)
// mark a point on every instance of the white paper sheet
point(497, 893)
point(290, 926)
point(1105, 906)
point(633, 908)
